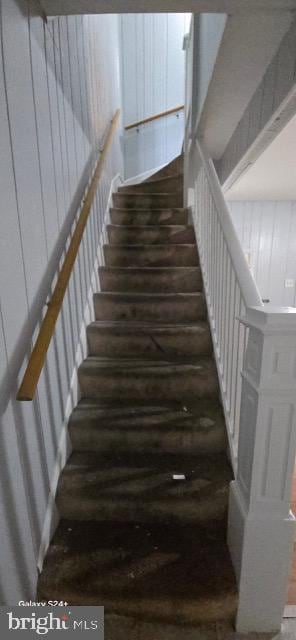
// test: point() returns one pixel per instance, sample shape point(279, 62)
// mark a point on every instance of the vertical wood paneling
point(267, 231)
point(43, 127)
point(24, 141)
point(153, 80)
point(59, 88)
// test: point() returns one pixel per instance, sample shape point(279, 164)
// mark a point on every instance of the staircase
point(143, 498)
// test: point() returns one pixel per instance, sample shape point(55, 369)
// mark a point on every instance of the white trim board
point(51, 519)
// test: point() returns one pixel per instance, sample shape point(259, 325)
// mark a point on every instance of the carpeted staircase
point(143, 497)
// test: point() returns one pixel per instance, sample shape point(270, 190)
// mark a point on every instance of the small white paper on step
point(179, 476)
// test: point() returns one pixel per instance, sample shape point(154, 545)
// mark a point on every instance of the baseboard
point(51, 519)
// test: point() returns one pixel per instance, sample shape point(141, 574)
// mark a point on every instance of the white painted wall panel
point(153, 80)
point(59, 88)
point(211, 29)
point(267, 231)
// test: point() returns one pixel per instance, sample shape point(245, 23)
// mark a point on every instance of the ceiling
point(239, 7)
point(244, 54)
point(273, 175)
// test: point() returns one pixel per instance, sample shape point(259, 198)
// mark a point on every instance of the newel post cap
point(271, 319)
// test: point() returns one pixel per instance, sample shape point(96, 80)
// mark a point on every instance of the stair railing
point(156, 116)
point(37, 358)
point(255, 351)
point(229, 288)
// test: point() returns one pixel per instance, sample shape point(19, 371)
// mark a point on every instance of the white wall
point(59, 88)
point(267, 231)
point(210, 31)
point(153, 80)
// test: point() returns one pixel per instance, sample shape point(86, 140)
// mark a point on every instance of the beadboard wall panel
point(153, 80)
point(59, 88)
point(267, 231)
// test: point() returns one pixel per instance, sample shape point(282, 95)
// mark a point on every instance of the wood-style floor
point(292, 584)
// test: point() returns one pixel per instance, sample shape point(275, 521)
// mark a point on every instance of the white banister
point(255, 352)
point(248, 286)
point(228, 284)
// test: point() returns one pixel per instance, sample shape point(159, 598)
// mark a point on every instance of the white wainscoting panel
point(267, 231)
point(153, 80)
point(59, 88)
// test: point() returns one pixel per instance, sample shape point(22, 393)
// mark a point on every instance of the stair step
point(150, 307)
point(199, 430)
point(162, 255)
point(148, 234)
point(146, 216)
point(166, 184)
point(141, 487)
point(153, 573)
point(148, 201)
point(121, 339)
point(125, 380)
point(151, 279)
point(173, 167)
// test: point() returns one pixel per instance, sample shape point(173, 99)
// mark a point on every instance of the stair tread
point(198, 415)
point(92, 362)
point(146, 476)
point(146, 199)
point(146, 296)
point(155, 210)
point(152, 194)
point(148, 269)
point(97, 485)
point(173, 176)
point(133, 325)
point(150, 227)
point(148, 246)
point(197, 428)
point(149, 571)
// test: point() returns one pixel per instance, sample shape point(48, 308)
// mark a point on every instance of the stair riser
point(150, 235)
point(154, 345)
point(99, 509)
point(93, 436)
point(149, 218)
point(161, 185)
point(167, 282)
point(153, 256)
point(138, 386)
point(145, 201)
point(163, 310)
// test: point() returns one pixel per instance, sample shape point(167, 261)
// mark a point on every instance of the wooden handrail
point(38, 355)
point(162, 114)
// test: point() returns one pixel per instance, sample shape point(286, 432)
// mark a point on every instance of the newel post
point(261, 526)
